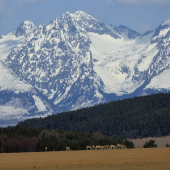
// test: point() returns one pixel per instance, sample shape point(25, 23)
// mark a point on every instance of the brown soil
point(128, 159)
point(160, 141)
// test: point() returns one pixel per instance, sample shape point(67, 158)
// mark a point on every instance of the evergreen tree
point(150, 144)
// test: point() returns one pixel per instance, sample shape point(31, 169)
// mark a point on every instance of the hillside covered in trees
point(129, 118)
point(25, 139)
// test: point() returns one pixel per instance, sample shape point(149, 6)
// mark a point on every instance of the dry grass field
point(160, 141)
point(128, 159)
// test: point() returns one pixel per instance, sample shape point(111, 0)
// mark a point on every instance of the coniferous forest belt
point(25, 139)
point(129, 118)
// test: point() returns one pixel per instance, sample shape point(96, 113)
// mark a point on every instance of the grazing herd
point(106, 147)
point(99, 147)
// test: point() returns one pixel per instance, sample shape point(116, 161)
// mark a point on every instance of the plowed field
point(129, 159)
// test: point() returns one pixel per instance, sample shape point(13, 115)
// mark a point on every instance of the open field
point(130, 159)
point(160, 141)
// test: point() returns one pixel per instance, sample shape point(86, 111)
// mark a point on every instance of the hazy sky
point(139, 15)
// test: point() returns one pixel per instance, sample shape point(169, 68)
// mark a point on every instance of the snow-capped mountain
point(18, 99)
point(77, 61)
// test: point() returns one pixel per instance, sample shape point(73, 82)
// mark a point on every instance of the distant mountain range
point(77, 61)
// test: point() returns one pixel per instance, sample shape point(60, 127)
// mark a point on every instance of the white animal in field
point(93, 147)
point(112, 147)
point(123, 147)
point(105, 147)
point(120, 146)
point(68, 148)
point(88, 147)
point(45, 149)
point(98, 147)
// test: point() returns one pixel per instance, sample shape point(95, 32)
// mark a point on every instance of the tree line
point(129, 118)
point(26, 139)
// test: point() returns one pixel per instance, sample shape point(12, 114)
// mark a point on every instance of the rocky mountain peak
point(25, 28)
point(82, 14)
point(161, 31)
point(167, 22)
point(131, 34)
point(148, 32)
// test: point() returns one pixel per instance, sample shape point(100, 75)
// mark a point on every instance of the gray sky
point(139, 15)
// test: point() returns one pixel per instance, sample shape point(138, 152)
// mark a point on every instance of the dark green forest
point(129, 118)
point(25, 139)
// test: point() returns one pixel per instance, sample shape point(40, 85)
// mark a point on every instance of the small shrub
point(150, 144)
point(167, 145)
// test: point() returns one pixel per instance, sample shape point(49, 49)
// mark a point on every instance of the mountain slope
point(56, 59)
point(77, 61)
point(129, 118)
point(18, 99)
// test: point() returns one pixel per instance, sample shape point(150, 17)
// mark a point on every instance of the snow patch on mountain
point(147, 57)
point(164, 32)
point(161, 81)
point(9, 111)
point(114, 61)
point(167, 22)
point(39, 104)
point(9, 81)
point(7, 43)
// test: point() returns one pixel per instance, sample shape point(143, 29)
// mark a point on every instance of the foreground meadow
point(155, 158)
